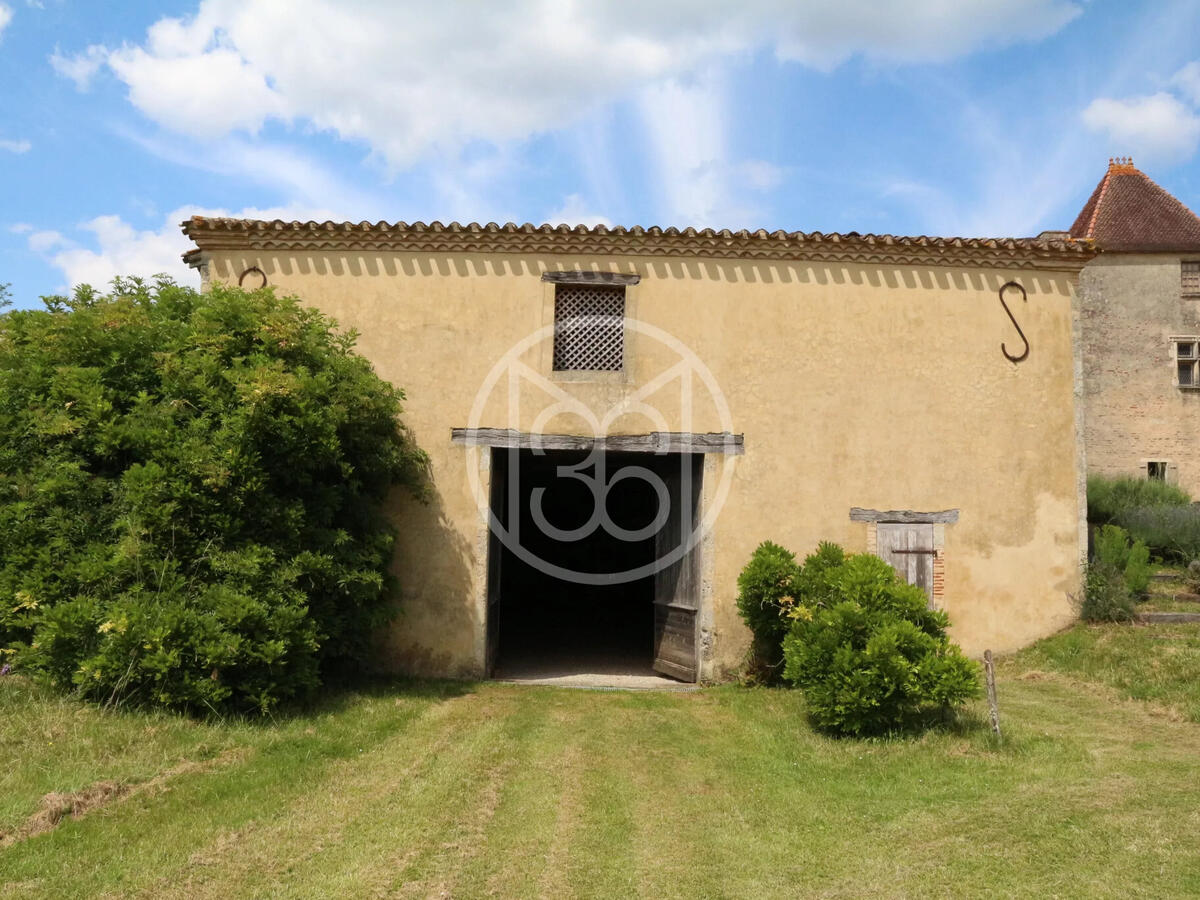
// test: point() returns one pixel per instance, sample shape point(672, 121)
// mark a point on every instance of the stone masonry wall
point(1134, 412)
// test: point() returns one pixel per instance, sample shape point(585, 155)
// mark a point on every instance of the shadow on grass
point(337, 695)
point(964, 722)
point(340, 693)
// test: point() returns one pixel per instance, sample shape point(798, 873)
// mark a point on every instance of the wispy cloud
point(6, 15)
point(1157, 127)
point(574, 211)
point(1187, 81)
point(699, 181)
point(81, 68)
point(15, 146)
point(411, 80)
point(291, 173)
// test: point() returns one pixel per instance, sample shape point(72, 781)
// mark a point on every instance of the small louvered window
point(589, 328)
point(1189, 277)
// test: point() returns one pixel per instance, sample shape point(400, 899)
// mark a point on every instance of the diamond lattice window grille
point(589, 328)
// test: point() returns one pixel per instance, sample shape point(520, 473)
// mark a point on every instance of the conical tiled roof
point(1129, 212)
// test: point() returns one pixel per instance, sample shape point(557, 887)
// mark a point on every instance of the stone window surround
point(1170, 471)
point(1189, 278)
point(1194, 359)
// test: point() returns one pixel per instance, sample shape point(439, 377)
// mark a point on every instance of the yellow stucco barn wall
point(874, 386)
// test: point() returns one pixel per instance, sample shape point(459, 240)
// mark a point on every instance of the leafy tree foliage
point(191, 490)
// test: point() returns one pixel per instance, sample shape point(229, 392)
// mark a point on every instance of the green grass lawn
point(1158, 663)
point(470, 790)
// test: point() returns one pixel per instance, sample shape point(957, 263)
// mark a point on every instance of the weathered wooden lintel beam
point(654, 442)
point(903, 516)
point(580, 276)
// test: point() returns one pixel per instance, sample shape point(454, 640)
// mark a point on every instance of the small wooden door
point(677, 586)
point(498, 503)
point(909, 550)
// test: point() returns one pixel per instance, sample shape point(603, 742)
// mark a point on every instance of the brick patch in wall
point(939, 577)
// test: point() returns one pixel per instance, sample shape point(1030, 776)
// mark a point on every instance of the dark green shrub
point(1106, 597)
point(869, 653)
point(1131, 558)
point(1171, 532)
point(190, 495)
point(766, 587)
point(1109, 499)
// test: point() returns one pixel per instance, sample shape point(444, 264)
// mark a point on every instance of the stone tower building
point(1140, 330)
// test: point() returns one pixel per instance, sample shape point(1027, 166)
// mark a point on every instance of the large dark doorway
point(561, 601)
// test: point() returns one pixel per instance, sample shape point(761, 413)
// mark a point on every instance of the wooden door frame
point(689, 569)
point(711, 444)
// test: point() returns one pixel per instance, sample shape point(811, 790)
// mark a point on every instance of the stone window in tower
point(1186, 353)
point(1189, 278)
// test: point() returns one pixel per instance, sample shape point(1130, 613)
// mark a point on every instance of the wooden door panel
point(675, 641)
point(677, 586)
point(909, 550)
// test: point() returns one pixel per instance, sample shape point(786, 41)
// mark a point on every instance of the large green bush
point(1171, 532)
point(190, 495)
point(868, 651)
point(1110, 499)
point(1160, 515)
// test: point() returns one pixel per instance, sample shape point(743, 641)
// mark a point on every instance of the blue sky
point(971, 118)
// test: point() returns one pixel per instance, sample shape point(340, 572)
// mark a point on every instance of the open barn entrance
point(582, 580)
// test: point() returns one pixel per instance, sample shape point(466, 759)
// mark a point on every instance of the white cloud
point(825, 33)
point(20, 228)
point(114, 248)
point(6, 15)
point(408, 79)
point(1157, 127)
point(120, 250)
point(1187, 80)
point(575, 212)
point(15, 146)
point(82, 67)
point(202, 95)
point(45, 241)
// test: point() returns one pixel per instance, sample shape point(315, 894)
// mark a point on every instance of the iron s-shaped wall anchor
point(1013, 319)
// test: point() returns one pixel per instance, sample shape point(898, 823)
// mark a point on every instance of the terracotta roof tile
point(244, 234)
point(1129, 212)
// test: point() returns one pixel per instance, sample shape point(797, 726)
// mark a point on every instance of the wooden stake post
point(989, 671)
